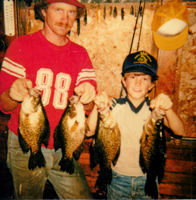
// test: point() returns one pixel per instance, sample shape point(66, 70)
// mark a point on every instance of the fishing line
point(138, 44)
point(121, 91)
point(135, 27)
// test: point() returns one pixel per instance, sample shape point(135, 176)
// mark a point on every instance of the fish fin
point(151, 188)
point(163, 156)
point(78, 152)
point(46, 133)
point(23, 143)
point(36, 160)
point(116, 157)
point(67, 165)
point(142, 162)
point(104, 178)
point(94, 155)
point(57, 143)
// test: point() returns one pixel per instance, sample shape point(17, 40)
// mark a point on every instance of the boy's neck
point(136, 102)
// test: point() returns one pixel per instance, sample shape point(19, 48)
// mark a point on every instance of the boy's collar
point(136, 110)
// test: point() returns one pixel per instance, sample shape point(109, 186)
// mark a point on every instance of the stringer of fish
point(153, 151)
point(69, 135)
point(33, 128)
point(105, 149)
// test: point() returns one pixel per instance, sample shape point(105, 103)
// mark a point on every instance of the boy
point(139, 74)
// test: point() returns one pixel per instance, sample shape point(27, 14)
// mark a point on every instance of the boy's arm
point(172, 119)
point(102, 104)
point(174, 122)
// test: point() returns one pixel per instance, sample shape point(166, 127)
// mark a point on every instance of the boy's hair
point(43, 5)
point(141, 62)
point(153, 79)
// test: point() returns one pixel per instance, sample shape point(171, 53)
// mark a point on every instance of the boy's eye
point(145, 78)
point(132, 77)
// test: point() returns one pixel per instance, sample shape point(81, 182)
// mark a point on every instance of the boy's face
point(137, 85)
point(59, 18)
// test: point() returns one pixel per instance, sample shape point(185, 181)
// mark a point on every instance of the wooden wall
point(108, 35)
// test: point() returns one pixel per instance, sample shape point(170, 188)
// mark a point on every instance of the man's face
point(59, 18)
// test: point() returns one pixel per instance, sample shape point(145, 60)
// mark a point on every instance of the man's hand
point(162, 101)
point(86, 92)
point(19, 89)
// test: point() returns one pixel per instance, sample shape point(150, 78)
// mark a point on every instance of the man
point(47, 60)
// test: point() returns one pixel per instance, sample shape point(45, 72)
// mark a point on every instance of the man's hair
point(43, 5)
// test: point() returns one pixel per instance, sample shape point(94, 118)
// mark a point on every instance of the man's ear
point(43, 12)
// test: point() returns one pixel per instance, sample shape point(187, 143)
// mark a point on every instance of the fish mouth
point(34, 92)
point(74, 99)
point(158, 114)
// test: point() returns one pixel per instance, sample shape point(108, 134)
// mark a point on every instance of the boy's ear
point(151, 87)
point(123, 81)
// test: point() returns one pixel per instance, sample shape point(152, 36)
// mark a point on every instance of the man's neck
point(55, 39)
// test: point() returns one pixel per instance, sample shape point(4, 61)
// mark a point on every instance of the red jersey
point(56, 70)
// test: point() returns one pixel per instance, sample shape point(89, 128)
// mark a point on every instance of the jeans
point(30, 184)
point(126, 187)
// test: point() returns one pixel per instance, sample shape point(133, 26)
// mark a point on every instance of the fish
point(34, 128)
point(115, 13)
point(85, 17)
point(78, 26)
point(132, 11)
point(104, 12)
point(110, 10)
point(105, 149)
point(122, 13)
point(153, 151)
point(69, 134)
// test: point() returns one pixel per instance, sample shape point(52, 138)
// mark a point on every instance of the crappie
point(33, 128)
point(105, 149)
point(69, 135)
point(153, 151)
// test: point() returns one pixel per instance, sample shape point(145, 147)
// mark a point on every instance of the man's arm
point(10, 98)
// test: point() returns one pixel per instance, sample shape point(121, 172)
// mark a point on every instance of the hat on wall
point(140, 61)
point(170, 26)
point(71, 2)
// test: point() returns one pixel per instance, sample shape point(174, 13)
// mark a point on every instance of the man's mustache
point(64, 25)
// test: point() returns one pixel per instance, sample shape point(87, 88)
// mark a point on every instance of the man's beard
point(64, 25)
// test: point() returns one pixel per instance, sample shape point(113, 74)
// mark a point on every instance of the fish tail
point(36, 160)
point(151, 188)
point(67, 165)
point(104, 178)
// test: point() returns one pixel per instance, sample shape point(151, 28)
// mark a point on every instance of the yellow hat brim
point(170, 43)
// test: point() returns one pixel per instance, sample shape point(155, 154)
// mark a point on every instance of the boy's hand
point(19, 89)
point(162, 101)
point(102, 101)
point(86, 91)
